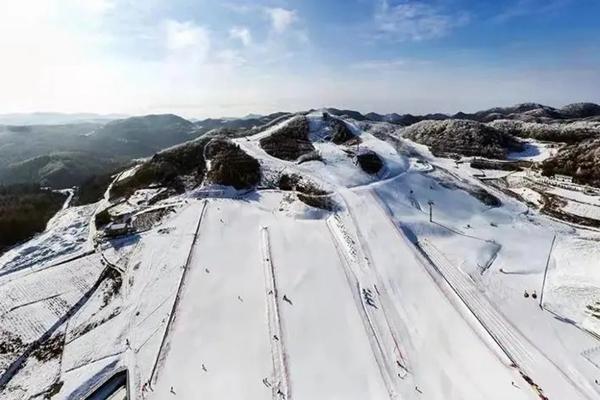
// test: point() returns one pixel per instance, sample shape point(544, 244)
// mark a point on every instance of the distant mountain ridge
point(65, 155)
point(527, 112)
point(49, 153)
point(55, 118)
point(142, 136)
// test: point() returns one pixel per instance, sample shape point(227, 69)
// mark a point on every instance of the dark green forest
point(24, 211)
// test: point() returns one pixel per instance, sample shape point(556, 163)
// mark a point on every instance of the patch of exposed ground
point(50, 348)
point(307, 192)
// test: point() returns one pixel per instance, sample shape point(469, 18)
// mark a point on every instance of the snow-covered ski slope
point(257, 295)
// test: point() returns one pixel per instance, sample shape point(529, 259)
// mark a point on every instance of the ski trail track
point(280, 385)
point(220, 333)
point(392, 320)
point(384, 340)
point(165, 340)
point(525, 356)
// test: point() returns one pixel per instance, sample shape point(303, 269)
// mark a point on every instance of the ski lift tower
point(431, 203)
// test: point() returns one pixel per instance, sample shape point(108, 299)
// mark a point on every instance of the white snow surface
point(534, 150)
point(66, 236)
point(255, 295)
point(582, 209)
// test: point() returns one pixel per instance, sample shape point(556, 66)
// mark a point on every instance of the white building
point(563, 178)
point(117, 229)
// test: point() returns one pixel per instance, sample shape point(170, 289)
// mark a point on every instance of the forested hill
point(24, 211)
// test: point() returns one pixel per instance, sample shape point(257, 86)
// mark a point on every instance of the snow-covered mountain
point(318, 255)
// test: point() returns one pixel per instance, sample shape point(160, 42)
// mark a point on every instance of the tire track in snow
point(280, 387)
point(525, 356)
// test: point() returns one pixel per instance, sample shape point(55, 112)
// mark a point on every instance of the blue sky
point(210, 58)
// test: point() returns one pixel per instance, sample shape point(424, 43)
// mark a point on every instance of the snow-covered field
point(259, 296)
point(529, 195)
point(575, 195)
point(582, 209)
point(37, 306)
point(66, 236)
point(534, 151)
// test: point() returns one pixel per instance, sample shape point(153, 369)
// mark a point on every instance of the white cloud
point(98, 6)
point(390, 64)
point(379, 64)
point(523, 8)
point(47, 61)
point(187, 37)
point(237, 7)
point(230, 58)
point(416, 21)
point(281, 18)
point(67, 55)
point(242, 33)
